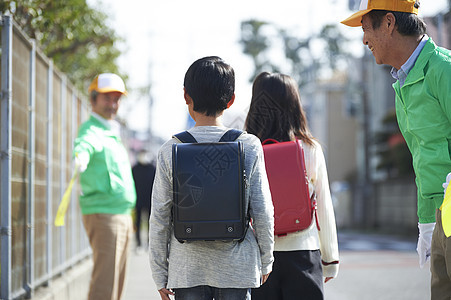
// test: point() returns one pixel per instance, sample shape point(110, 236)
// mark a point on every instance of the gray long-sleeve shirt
point(214, 263)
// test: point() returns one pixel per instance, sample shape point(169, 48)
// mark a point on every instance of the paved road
point(378, 275)
point(372, 267)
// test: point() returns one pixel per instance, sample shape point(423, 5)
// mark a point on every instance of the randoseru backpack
point(294, 209)
point(209, 183)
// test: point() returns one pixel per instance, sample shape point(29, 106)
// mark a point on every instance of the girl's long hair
point(276, 111)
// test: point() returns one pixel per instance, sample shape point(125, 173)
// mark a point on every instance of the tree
point(333, 49)
point(71, 33)
point(255, 43)
point(299, 53)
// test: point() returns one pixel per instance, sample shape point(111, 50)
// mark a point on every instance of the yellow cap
point(409, 6)
point(107, 82)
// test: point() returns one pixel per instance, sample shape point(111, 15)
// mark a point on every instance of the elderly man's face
point(376, 39)
point(106, 104)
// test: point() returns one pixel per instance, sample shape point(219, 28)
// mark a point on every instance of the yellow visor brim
point(355, 20)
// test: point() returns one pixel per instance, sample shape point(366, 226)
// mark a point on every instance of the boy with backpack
point(211, 269)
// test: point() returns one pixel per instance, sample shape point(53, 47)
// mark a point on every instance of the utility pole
point(363, 183)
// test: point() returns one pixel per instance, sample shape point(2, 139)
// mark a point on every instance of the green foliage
point(253, 40)
point(334, 44)
point(71, 33)
point(299, 56)
point(304, 59)
point(255, 43)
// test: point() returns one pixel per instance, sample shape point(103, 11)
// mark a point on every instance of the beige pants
point(440, 262)
point(109, 237)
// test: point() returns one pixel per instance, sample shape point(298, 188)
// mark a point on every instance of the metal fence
point(39, 116)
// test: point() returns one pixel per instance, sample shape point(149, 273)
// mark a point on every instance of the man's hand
point(81, 161)
point(424, 242)
point(164, 294)
point(446, 183)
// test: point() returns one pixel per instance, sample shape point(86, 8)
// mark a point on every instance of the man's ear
point(231, 101)
point(390, 22)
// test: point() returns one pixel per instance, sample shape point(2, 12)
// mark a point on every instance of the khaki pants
point(440, 262)
point(109, 237)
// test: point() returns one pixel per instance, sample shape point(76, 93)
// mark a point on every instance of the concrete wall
point(334, 128)
point(395, 205)
point(342, 139)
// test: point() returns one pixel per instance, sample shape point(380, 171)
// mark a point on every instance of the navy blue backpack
point(209, 183)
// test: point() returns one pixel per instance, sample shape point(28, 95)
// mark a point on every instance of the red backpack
point(294, 209)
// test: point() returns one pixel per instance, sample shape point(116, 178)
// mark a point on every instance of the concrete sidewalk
point(140, 285)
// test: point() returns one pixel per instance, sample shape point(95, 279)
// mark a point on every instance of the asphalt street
point(371, 267)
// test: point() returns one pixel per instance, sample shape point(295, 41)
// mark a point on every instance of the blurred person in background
point(143, 174)
point(397, 37)
point(108, 192)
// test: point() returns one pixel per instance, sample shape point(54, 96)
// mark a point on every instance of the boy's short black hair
point(210, 82)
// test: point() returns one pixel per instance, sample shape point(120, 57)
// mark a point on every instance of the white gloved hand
point(424, 242)
point(445, 184)
point(82, 161)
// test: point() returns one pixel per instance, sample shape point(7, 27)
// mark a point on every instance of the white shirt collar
point(110, 124)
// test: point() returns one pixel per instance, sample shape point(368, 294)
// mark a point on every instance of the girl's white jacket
point(311, 239)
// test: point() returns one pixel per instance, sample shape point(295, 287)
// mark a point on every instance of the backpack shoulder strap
point(231, 135)
point(185, 137)
point(313, 197)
